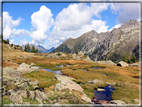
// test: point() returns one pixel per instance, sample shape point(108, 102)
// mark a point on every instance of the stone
point(16, 98)
point(34, 84)
point(137, 100)
point(67, 83)
point(25, 68)
point(60, 77)
point(10, 91)
point(39, 100)
point(23, 93)
point(100, 89)
point(122, 64)
point(109, 62)
point(11, 72)
point(118, 102)
point(32, 64)
point(94, 81)
point(111, 83)
point(74, 56)
point(31, 94)
point(87, 59)
point(85, 98)
point(23, 86)
point(40, 95)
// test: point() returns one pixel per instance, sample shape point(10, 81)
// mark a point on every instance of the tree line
point(128, 59)
point(28, 49)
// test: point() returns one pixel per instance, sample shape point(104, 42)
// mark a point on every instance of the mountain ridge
point(105, 45)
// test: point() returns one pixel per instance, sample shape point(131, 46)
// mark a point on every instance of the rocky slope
point(107, 45)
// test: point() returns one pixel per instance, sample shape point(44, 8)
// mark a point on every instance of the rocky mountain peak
point(130, 24)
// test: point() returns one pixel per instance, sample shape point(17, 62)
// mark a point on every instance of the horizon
point(50, 24)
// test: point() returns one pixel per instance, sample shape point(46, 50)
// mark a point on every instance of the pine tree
point(133, 58)
point(28, 47)
point(124, 58)
point(36, 51)
point(76, 50)
point(7, 41)
point(33, 49)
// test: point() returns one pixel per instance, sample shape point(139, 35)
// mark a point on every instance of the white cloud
point(126, 11)
point(23, 42)
point(116, 26)
point(41, 22)
point(11, 41)
point(8, 27)
point(75, 20)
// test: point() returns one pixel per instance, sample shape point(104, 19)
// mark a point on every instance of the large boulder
point(122, 64)
point(25, 68)
point(66, 83)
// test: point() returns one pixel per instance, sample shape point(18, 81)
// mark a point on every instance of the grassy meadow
point(126, 88)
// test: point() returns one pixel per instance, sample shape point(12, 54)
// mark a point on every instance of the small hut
point(122, 64)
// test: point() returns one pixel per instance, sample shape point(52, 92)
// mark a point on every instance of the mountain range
point(40, 48)
point(110, 45)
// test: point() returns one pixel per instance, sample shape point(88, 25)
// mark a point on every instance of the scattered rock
point(32, 94)
point(40, 95)
point(11, 72)
point(94, 81)
point(16, 98)
point(100, 89)
point(137, 64)
point(137, 100)
point(23, 93)
point(118, 102)
point(111, 83)
point(109, 62)
point(85, 98)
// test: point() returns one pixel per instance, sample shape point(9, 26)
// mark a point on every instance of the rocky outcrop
point(11, 72)
point(66, 83)
point(25, 68)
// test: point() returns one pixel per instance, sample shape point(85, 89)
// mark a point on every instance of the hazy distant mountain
point(107, 45)
point(41, 49)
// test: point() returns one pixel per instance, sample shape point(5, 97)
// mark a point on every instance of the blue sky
point(50, 24)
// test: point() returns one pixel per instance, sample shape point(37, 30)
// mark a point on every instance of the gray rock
point(16, 98)
point(122, 64)
point(25, 68)
point(11, 72)
point(85, 98)
point(67, 83)
point(111, 83)
point(100, 89)
point(120, 102)
point(32, 94)
point(94, 81)
point(23, 93)
point(40, 95)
